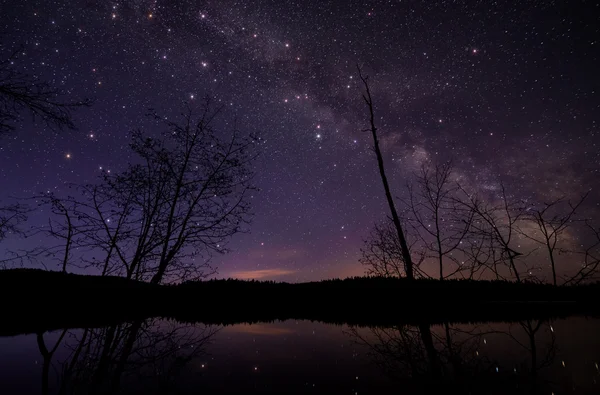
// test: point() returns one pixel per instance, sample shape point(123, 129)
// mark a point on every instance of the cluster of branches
point(467, 235)
point(21, 93)
point(11, 217)
point(165, 216)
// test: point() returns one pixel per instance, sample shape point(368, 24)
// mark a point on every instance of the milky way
point(506, 89)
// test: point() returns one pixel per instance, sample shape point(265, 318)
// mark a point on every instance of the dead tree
point(382, 253)
point(191, 194)
point(62, 228)
point(166, 215)
point(552, 221)
point(440, 222)
point(21, 93)
point(395, 218)
point(65, 225)
point(498, 223)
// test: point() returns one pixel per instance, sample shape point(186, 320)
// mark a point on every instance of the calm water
point(157, 356)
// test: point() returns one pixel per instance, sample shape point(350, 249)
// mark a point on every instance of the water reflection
point(141, 356)
point(158, 356)
point(455, 357)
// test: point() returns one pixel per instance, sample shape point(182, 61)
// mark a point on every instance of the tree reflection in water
point(146, 355)
point(158, 356)
point(450, 357)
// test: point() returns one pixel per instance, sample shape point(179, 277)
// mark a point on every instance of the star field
point(505, 89)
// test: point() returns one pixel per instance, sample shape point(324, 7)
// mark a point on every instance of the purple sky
point(507, 89)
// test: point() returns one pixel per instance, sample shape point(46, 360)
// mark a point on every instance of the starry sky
point(505, 89)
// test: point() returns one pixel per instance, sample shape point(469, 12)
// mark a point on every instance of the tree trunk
point(513, 266)
point(551, 254)
point(408, 264)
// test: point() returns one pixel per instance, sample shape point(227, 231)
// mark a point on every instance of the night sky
point(506, 89)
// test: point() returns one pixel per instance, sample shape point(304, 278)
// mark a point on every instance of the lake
point(559, 356)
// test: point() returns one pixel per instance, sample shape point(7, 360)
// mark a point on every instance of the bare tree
point(480, 255)
point(497, 223)
point(408, 263)
point(552, 221)
point(62, 228)
point(441, 222)
point(11, 217)
point(22, 93)
point(382, 253)
point(188, 193)
point(590, 261)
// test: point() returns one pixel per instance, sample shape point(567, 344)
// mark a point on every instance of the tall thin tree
point(408, 264)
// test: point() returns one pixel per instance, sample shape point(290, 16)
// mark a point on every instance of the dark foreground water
point(156, 356)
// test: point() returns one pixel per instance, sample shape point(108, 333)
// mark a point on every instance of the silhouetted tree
point(552, 220)
point(436, 226)
point(407, 259)
point(63, 228)
point(480, 255)
point(22, 93)
point(165, 215)
point(497, 223)
point(590, 259)
point(381, 254)
point(441, 223)
point(11, 216)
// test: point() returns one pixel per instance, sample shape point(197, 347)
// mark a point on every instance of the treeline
point(100, 300)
